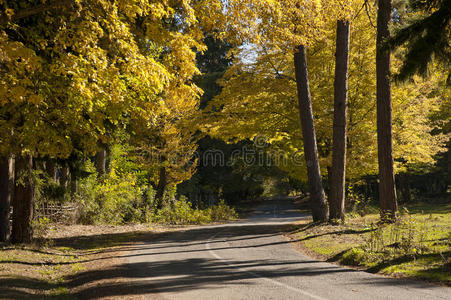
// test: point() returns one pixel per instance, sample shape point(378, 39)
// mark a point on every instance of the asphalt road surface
point(250, 260)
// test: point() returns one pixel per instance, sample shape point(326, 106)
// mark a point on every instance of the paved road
point(251, 260)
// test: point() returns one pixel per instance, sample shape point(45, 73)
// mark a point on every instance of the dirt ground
point(65, 262)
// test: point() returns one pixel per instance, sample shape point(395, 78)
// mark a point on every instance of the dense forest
point(178, 111)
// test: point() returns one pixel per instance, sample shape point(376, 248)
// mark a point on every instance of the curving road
point(251, 260)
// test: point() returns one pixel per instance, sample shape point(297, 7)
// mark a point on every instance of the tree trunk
point(73, 184)
point(101, 163)
point(50, 168)
point(6, 193)
point(317, 196)
point(387, 189)
point(338, 172)
point(23, 201)
point(65, 173)
point(162, 182)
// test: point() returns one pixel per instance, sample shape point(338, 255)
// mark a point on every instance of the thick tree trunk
point(338, 172)
point(65, 174)
point(162, 182)
point(387, 188)
point(317, 196)
point(101, 163)
point(23, 201)
point(50, 168)
point(6, 194)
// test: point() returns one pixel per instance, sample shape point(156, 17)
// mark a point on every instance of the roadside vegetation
point(417, 245)
point(62, 263)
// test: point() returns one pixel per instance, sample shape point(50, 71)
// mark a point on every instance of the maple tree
point(74, 73)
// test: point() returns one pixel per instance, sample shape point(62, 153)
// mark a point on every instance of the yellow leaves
point(99, 70)
point(259, 95)
point(412, 109)
point(18, 92)
point(286, 22)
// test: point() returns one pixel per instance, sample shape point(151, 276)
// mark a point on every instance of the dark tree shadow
point(145, 277)
point(176, 273)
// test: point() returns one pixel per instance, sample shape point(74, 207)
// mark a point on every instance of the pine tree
point(387, 188)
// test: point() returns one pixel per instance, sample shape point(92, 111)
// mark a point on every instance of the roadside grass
point(418, 245)
point(49, 268)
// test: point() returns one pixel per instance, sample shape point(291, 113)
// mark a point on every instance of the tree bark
point(50, 168)
point(101, 163)
point(23, 201)
point(338, 171)
point(6, 194)
point(73, 184)
point(317, 196)
point(162, 182)
point(65, 174)
point(387, 188)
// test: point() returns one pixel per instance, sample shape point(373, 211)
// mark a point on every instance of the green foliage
point(181, 212)
point(353, 257)
point(118, 199)
point(41, 227)
point(426, 36)
point(357, 203)
point(221, 212)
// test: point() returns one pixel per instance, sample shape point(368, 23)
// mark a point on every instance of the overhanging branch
point(24, 13)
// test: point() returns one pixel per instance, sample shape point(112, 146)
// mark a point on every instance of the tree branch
point(24, 13)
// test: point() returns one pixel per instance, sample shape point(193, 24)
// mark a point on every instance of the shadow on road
point(171, 275)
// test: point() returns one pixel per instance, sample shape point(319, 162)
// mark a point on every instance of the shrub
point(119, 199)
point(222, 212)
point(181, 212)
point(354, 257)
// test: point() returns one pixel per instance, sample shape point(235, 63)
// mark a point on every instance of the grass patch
point(418, 245)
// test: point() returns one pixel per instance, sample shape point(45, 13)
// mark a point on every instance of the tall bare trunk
point(65, 174)
point(338, 171)
point(6, 194)
point(101, 163)
point(162, 182)
point(23, 201)
point(387, 188)
point(317, 196)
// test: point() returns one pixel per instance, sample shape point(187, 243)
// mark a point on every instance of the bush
point(353, 257)
point(222, 212)
point(119, 199)
point(180, 212)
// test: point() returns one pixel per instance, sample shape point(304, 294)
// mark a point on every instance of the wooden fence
point(56, 212)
